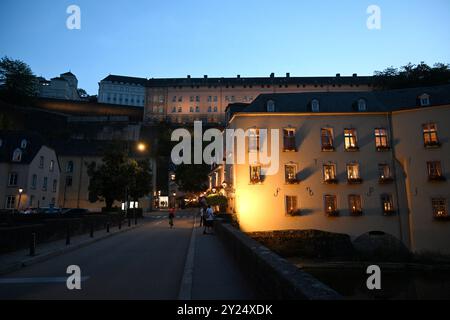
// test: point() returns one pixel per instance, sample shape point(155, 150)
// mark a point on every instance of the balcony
point(432, 144)
point(328, 148)
point(294, 213)
point(292, 181)
point(441, 216)
point(352, 149)
point(385, 180)
point(332, 213)
point(436, 178)
point(354, 180)
point(389, 212)
point(383, 148)
point(331, 181)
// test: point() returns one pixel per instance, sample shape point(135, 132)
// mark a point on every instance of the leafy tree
point(82, 93)
point(17, 81)
point(192, 178)
point(117, 176)
point(412, 75)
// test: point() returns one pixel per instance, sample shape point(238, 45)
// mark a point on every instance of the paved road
point(146, 263)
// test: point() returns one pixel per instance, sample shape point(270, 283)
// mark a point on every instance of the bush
point(217, 200)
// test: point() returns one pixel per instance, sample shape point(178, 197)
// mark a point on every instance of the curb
point(48, 255)
point(185, 292)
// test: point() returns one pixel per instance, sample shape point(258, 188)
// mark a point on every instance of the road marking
point(37, 280)
point(186, 282)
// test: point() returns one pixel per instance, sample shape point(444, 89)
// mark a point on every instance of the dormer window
point(424, 100)
point(17, 155)
point(315, 105)
point(23, 144)
point(362, 105)
point(270, 106)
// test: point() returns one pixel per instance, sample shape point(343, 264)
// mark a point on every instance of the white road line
point(36, 280)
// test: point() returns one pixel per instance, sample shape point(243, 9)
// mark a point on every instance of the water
point(395, 285)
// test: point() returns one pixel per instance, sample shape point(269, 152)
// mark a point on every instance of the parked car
point(75, 211)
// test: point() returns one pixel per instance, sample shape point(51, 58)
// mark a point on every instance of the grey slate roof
point(124, 79)
point(376, 101)
point(11, 140)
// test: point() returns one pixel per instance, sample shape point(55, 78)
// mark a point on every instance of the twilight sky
point(166, 38)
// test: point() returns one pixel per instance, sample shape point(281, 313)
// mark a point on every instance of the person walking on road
point(209, 219)
point(202, 216)
point(171, 217)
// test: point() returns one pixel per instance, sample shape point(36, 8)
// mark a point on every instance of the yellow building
point(349, 162)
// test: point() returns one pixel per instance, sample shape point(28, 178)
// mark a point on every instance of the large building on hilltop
point(349, 162)
point(184, 100)
point(64, 87)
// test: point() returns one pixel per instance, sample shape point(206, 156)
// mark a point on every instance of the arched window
point(362, 105)
point(315, 106)
point(23, 144)
point(270, 106)
point(17, 155)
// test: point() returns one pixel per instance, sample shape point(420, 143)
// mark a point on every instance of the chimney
point(238, 76)
point(189, 76)
point(272, 75)
point(355, 75)
point(205, 76)
point(288, 75)
point(338, 75)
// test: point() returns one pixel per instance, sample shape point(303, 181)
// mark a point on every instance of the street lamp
point(141, 147)
point(20, 198)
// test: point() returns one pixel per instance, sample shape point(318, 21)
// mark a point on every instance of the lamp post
point(141, 147)
point(20, 198)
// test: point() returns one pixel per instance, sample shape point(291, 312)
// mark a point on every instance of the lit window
point(253, 140)
point(430, 136)
point(384, 173)
point(290, 175)
point(270, 106)
point(435, 171)
point(351, 143)
point(329, 173)
point(23, 144)
point(255, 174)
point(327, 139)
point(12, 179)
point(289, 139)
point(315, 106)
point(291, 206)
point(381, 139)
point(353, 175)
point(331, 205)
point(52, 166)
point(17, 155)
point(354, 203)
point(439, 208)
point(387, 204)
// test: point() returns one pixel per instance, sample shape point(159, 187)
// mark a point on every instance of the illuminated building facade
point(349, 162)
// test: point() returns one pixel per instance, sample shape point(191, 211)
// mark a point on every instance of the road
point(145, 263)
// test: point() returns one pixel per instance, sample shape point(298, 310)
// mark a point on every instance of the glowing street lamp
point(141, 147)
point(20, 198)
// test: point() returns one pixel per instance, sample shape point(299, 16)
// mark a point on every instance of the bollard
point(107, 227)
point(68, 236)
point(33, 244)
point(92, 230)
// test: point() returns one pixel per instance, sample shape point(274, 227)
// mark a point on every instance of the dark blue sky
point(154, 38)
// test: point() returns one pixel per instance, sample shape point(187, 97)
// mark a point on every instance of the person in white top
point(209, 219)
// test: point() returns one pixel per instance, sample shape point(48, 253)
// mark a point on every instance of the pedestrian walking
point(171, 217)
point(209, 219)
point(202, 215)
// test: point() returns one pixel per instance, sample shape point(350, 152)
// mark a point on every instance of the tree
point(117, 176)
point(17, 81)
point(192, 178)
point(82, 93)
point(412, 75)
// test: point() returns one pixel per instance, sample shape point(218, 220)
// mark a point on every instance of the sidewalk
point(16, 260)
point(216, 276)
